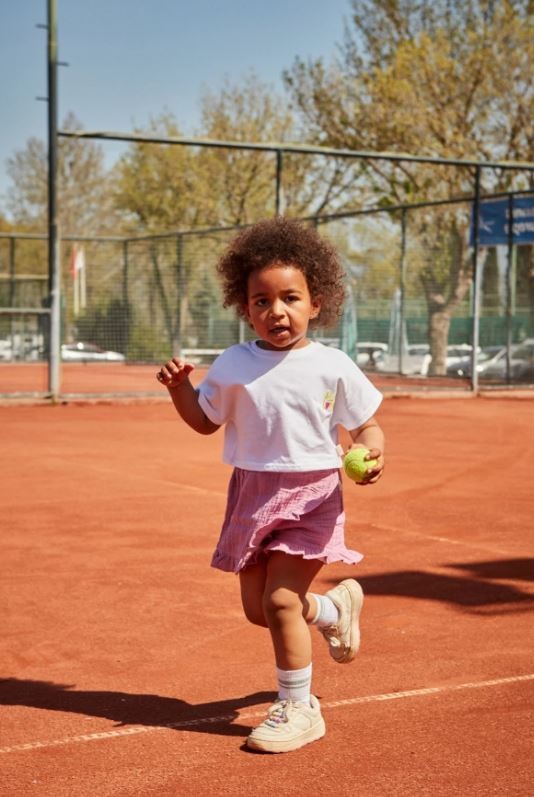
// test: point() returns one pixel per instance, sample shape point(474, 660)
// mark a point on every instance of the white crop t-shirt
point(281, 409)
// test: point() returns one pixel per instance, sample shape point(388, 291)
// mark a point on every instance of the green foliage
point(106, 325)
point(451, 79)
point(203, 309)
point(147, 345)
point(84, 186)
point(156, 185)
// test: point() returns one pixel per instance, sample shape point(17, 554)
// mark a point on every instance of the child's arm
point(175, 376)
point(370, 435)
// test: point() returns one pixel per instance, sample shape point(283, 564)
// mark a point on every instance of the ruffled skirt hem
point(230, 564)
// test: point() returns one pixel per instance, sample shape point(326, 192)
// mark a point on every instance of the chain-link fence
point(128, 304)
point(411, 270)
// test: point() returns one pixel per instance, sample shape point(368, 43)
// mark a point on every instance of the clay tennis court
point(137, 379)
point(127, 667)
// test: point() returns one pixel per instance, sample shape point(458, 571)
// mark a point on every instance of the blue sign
point(494, 223)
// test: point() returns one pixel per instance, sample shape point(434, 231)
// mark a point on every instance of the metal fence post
point(179, 291)
point(402, 286)
point(126, 294)
point(476, 282)
point(279, 167)
point(509, 288)
point(12, 271)
point(54, 285)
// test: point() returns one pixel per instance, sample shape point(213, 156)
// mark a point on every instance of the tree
point(240, 185)
point(156, 187)
point(84, 195)
point(164, 188)
point(451, 78)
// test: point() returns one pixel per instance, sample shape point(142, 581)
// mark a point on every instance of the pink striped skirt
point(297, 513)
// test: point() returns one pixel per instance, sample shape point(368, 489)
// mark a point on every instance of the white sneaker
point(344, 637)
point(289, 725)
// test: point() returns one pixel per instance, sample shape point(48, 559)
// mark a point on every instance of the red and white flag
point(77, 269)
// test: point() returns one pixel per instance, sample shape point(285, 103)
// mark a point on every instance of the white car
point(414, 358)
point(89, 352)
point(521, 363)
point(6, 350)
point(369, 353)
point(456, 353)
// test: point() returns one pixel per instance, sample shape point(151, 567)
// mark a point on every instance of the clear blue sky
point(131, 59)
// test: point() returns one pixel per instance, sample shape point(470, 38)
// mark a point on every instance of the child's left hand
point(374, 473)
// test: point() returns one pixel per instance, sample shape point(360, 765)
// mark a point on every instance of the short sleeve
point(357, 399)
point(212, 396)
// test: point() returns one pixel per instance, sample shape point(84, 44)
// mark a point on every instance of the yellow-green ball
point(355, 464)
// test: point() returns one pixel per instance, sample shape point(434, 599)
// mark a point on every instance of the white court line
point(412, 533)
point(354, 701)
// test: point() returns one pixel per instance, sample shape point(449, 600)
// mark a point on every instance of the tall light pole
point(54, 275)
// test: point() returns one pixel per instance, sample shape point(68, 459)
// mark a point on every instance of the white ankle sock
point(295, 684)
point(327, 613)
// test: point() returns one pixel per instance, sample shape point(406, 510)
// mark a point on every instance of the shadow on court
point(130, 709)
point(506, 569)
point(478, 592)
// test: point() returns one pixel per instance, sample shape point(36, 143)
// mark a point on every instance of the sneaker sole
point(317, 731)
point(356, 600)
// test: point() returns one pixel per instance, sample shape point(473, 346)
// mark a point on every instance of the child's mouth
point(278, 330)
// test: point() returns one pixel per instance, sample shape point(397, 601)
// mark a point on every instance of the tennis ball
point(355, 464)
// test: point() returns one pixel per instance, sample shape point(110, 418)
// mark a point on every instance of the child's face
point(279, 306)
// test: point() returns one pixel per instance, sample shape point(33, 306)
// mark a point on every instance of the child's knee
point(255, 616)
point(281, 602)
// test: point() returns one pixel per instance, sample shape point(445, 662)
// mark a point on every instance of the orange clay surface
point(128, 668)
point(112, 378)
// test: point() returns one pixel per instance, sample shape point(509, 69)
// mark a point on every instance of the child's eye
point(292, 299)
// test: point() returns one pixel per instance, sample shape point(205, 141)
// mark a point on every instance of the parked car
point(521, 363)
point(413, 360)
point(6, 350)
point(462, 366)
point(456, 353)
point(21, 348)
point(369, 353)
point(89, 352)
point(492, 363)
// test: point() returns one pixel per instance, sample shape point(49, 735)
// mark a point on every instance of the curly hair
point(284, 240)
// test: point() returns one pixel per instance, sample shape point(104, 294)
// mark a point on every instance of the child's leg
point(252, 583)
point(286, 607)
point(296, 719)
point(335, 614)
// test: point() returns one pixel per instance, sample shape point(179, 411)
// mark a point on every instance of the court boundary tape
point(192, 723)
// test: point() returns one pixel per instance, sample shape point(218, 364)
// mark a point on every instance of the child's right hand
point(174, 372)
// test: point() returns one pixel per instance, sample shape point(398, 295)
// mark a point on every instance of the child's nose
point(277, 308)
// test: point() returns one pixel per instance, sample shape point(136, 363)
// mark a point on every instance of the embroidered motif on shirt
point(328, 401)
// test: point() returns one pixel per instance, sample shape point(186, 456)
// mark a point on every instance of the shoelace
point(330, 633)
point(278, 714)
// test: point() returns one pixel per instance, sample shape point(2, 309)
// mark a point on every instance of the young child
point(281, 399)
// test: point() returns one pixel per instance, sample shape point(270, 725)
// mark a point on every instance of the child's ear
point(316, 307)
